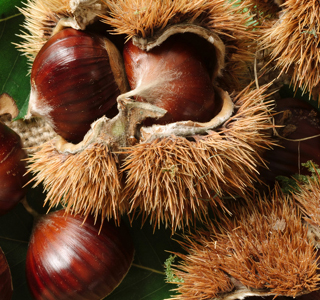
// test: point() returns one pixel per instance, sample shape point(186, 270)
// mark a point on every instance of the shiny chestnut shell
point(173, 76)
point(67, 258)
point(72, 82)
point(5, 278)
point(12, 169)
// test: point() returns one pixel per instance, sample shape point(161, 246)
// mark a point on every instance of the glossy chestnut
point(75, 79)
point(12, 169)
point(5, 278)
point(174, 76)
point(67, 258)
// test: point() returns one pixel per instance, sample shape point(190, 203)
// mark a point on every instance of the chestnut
point(12, 169)
point(68, 258)
point(300, 128)
point(174, 76)
point(5, 278)
point(75, 79)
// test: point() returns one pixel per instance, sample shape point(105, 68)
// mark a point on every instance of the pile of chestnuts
point(156, 108)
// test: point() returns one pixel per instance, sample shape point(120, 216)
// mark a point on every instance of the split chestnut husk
point(212, 136)
point(70, 257)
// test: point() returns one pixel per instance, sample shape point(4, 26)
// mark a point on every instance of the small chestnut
point(12, 169)
point(75, 79)
point(5, 278)
point(173, 76)
point(68, 258)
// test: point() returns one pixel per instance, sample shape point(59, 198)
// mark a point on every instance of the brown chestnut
point(75, 79)
point(298, 121)
point(173, 76)
point(68, 258)
point(12, 169)
point(5, 278)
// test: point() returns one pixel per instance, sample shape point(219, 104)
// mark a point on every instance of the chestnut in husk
point(68, 258)
point(12, 169)
point(5, 278)
point(75, 79)
point(174, 76)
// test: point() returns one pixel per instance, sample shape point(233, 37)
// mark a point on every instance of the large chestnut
point(174, 76)
point(75, 79)
point(68, 258)
point(12, 169)
point(5, 278)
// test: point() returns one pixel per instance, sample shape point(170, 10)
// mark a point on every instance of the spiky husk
point(41, 17)
point(265, 9)
point(232, 24)
point(295, 44)
point(85, 183)
point(262, 250)
point(173, 179)
point(308, 198)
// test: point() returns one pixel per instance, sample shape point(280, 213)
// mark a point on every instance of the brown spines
point(308, 197)
point(262, 250)
point(266, 9)
point(41, 17)
point(86, 182)
point(167, 180)
point(144, 18)
point(173, 179)
point(295, 44)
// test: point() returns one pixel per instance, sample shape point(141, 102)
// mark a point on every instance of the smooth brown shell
point(68, 258)
point(12, 169)
point(75, 79)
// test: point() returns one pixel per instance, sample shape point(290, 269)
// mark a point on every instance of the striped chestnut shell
point(75, 79)
point(12, 169)
point(68, 258)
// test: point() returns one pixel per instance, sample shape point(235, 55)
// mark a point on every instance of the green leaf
point(14, 79)
point(8, 9)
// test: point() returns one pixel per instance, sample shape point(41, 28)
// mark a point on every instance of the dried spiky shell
point(295, 44)
point(144, 18)
point(84, 177)
point(308, 198)
point(166, 177)
point(265, 9)
point(45, 17)
point(262, 250)
point(87, 182)
point(173, 178)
